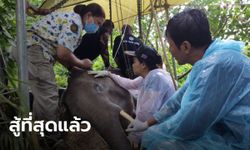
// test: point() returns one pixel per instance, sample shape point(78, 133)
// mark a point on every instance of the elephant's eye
point(98, 87)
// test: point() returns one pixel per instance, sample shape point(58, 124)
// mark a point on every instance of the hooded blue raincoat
point(212, 110)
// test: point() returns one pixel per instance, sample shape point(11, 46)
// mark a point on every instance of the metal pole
point(22, 54)
point(110, 17)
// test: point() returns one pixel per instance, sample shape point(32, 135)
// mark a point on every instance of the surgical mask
point(91, 27)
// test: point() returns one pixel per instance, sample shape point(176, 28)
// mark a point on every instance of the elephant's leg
point(90, 140)
point(106, 121)
point(111, 130)
point(85, 141)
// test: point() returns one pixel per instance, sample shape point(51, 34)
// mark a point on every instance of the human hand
point(99, 73)
point(86, 63)
point(33, 10)
point(137, 126)
point(42, 11)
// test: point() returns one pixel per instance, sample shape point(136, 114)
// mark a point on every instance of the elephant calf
point(99, 100)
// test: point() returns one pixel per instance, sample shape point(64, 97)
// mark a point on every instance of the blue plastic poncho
point(212, 110)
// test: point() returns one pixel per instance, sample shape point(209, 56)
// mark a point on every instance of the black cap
point(146, 54)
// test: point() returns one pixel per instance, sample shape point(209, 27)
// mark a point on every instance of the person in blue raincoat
point(212, 110)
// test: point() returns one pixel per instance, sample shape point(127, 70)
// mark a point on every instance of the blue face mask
point(91, 27)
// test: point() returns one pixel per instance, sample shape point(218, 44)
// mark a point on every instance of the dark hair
point(95, 9)
point(152, 65)
point(105, 26)
point(126, 28)
point(190, 25)
point(108, 23)
point(153, 60)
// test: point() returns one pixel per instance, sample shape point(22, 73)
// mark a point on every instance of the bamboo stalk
point(162, 44)
point(149, 27)
point(166, 6)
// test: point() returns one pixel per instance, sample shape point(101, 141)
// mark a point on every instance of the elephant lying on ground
point(99, 100)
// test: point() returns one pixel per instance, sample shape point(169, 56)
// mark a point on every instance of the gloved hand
point(137, 126)
point(99, 73)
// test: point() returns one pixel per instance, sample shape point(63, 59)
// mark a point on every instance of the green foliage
point(10, 104)
point(98, 64)
point(7, 27)
point(228, 19)
point(34, 18)
point(61, 75)
point(10, 107)
point(247, 50)
point(7, 32)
